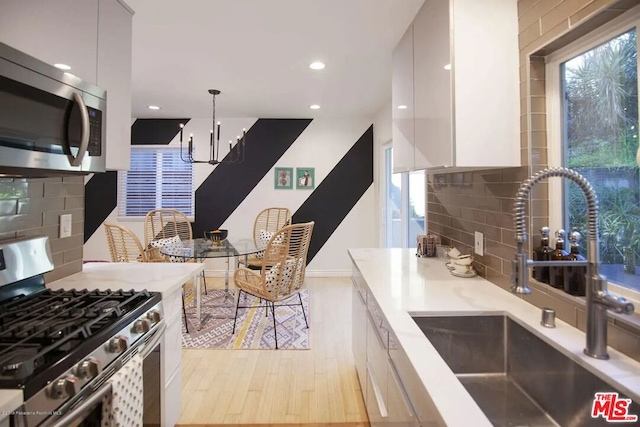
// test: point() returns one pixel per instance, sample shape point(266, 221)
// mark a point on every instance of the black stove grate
point(38, 330)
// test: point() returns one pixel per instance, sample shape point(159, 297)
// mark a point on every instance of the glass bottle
point(542, 253)
point(574, 277)
point(556, 274)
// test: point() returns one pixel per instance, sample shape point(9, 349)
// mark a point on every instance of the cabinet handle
point(375, 328)
point(84, 139)
point(382, 408)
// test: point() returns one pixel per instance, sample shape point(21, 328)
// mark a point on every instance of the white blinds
point(158, 178)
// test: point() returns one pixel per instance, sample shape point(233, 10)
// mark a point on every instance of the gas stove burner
point(106, 306)
point(20, 362)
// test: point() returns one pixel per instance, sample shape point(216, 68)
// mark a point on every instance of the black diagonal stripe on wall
point(100, 199)
point(155, 131)
point(229, 184)
point(338, 193)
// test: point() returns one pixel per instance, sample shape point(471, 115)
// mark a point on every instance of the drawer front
point(376, 409)
point(377, 361)
point(360, 285)
point(172, 348)
point(399, 407)
point(359, 336)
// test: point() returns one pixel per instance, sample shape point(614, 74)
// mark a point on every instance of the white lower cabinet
point(171, 349)
point(390, 386)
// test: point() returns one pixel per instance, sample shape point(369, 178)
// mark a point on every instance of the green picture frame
point(283, 179)
point(305, 178)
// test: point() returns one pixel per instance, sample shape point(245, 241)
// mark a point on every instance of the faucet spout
point(598, 298)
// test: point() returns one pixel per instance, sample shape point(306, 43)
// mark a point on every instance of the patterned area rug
point(254, 330)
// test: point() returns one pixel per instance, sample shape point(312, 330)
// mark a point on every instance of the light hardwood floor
point(315, 387)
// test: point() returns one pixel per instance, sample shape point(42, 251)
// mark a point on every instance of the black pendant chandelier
point(236, 152)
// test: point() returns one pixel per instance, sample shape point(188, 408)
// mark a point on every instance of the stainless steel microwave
point(51, 123)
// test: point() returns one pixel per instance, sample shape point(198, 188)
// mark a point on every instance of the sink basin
point(516, 378)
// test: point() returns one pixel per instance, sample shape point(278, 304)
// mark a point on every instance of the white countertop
point(153, 276)
point(402, 283)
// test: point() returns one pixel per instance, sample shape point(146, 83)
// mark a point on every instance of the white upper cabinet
point(466, 88)
point(402, 104)
point(61, 31)
point(114, 75)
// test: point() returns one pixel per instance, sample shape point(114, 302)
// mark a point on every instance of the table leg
point(198, 298)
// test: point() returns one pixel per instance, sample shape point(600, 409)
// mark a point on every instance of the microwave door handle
point(84, 139)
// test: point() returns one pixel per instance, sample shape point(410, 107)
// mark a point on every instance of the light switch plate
point(479, 245)
point(65, 225)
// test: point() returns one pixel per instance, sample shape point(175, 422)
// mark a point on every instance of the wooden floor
point(316, 387)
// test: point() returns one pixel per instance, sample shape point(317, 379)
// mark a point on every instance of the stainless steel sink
point(516, 378)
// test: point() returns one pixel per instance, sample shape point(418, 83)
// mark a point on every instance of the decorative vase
point(629, 259)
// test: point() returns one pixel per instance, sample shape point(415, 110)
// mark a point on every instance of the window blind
point(158, 178)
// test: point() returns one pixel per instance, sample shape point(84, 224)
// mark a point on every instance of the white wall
point(323, 143)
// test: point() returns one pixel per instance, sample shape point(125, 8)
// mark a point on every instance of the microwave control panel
point(95, 132)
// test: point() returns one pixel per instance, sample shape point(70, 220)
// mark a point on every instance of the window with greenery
point(599, 110)
point(158, 178)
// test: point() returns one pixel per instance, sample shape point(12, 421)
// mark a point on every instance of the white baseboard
point(309, 273)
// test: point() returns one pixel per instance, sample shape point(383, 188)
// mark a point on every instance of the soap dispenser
point(574, 276)
point(556, 274)
point(542, 253)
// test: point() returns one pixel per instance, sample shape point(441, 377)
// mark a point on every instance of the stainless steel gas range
point(62, 347)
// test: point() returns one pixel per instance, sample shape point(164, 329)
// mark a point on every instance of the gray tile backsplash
point(32, 207)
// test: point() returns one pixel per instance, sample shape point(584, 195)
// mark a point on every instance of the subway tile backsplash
point(32, 207)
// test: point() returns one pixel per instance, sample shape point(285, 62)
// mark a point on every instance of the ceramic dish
point(450, 266)
point(471, 273)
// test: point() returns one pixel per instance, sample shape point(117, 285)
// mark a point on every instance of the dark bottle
point(574, 277)
point(556, 274)
point(542, 253)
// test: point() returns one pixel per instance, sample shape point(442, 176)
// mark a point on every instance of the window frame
point(558, 217)
point(121, 184)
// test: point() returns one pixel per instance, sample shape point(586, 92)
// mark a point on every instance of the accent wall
point(342, 202)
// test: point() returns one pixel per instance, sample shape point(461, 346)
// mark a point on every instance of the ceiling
point(257, 52)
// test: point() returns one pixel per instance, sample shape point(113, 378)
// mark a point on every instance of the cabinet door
point(432, 92)
point(359, 336)
point(486, 83)
point(402, 104)
point(61, 31)
point(114, 75)
point(399, 409)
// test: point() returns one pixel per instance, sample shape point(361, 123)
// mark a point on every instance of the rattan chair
point(266, 224)
point(124, 245)
point(282, 273)
point(162, 224)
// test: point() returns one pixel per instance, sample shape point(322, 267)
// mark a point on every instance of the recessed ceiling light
point(62, 66)
point(314, 107)
point(316, 65)
point(153, 107)
point(447, 67)
point(402, 107)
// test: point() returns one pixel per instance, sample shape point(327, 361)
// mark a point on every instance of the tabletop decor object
point(216, 237)
point(236, 152)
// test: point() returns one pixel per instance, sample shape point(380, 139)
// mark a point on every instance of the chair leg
point(275, 332)
point(184, 313)
point(204, 280)
point(302, 307)
point(236, 316)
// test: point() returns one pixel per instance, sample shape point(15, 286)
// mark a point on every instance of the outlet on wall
point(65, 225)
point(479, 245)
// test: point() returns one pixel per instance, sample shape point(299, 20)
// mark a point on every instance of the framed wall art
point(305, 178)
point(283, 178)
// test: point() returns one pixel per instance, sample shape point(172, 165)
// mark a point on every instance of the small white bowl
point(463, 269)
point(463, 260)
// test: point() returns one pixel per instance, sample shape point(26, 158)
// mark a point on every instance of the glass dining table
point(201, 249)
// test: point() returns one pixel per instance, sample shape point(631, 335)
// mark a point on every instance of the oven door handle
point(153, 342)
point(83, 407)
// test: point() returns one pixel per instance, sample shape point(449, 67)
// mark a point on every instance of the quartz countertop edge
point(403, 283)
point(10, 400)
point(138, 276)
